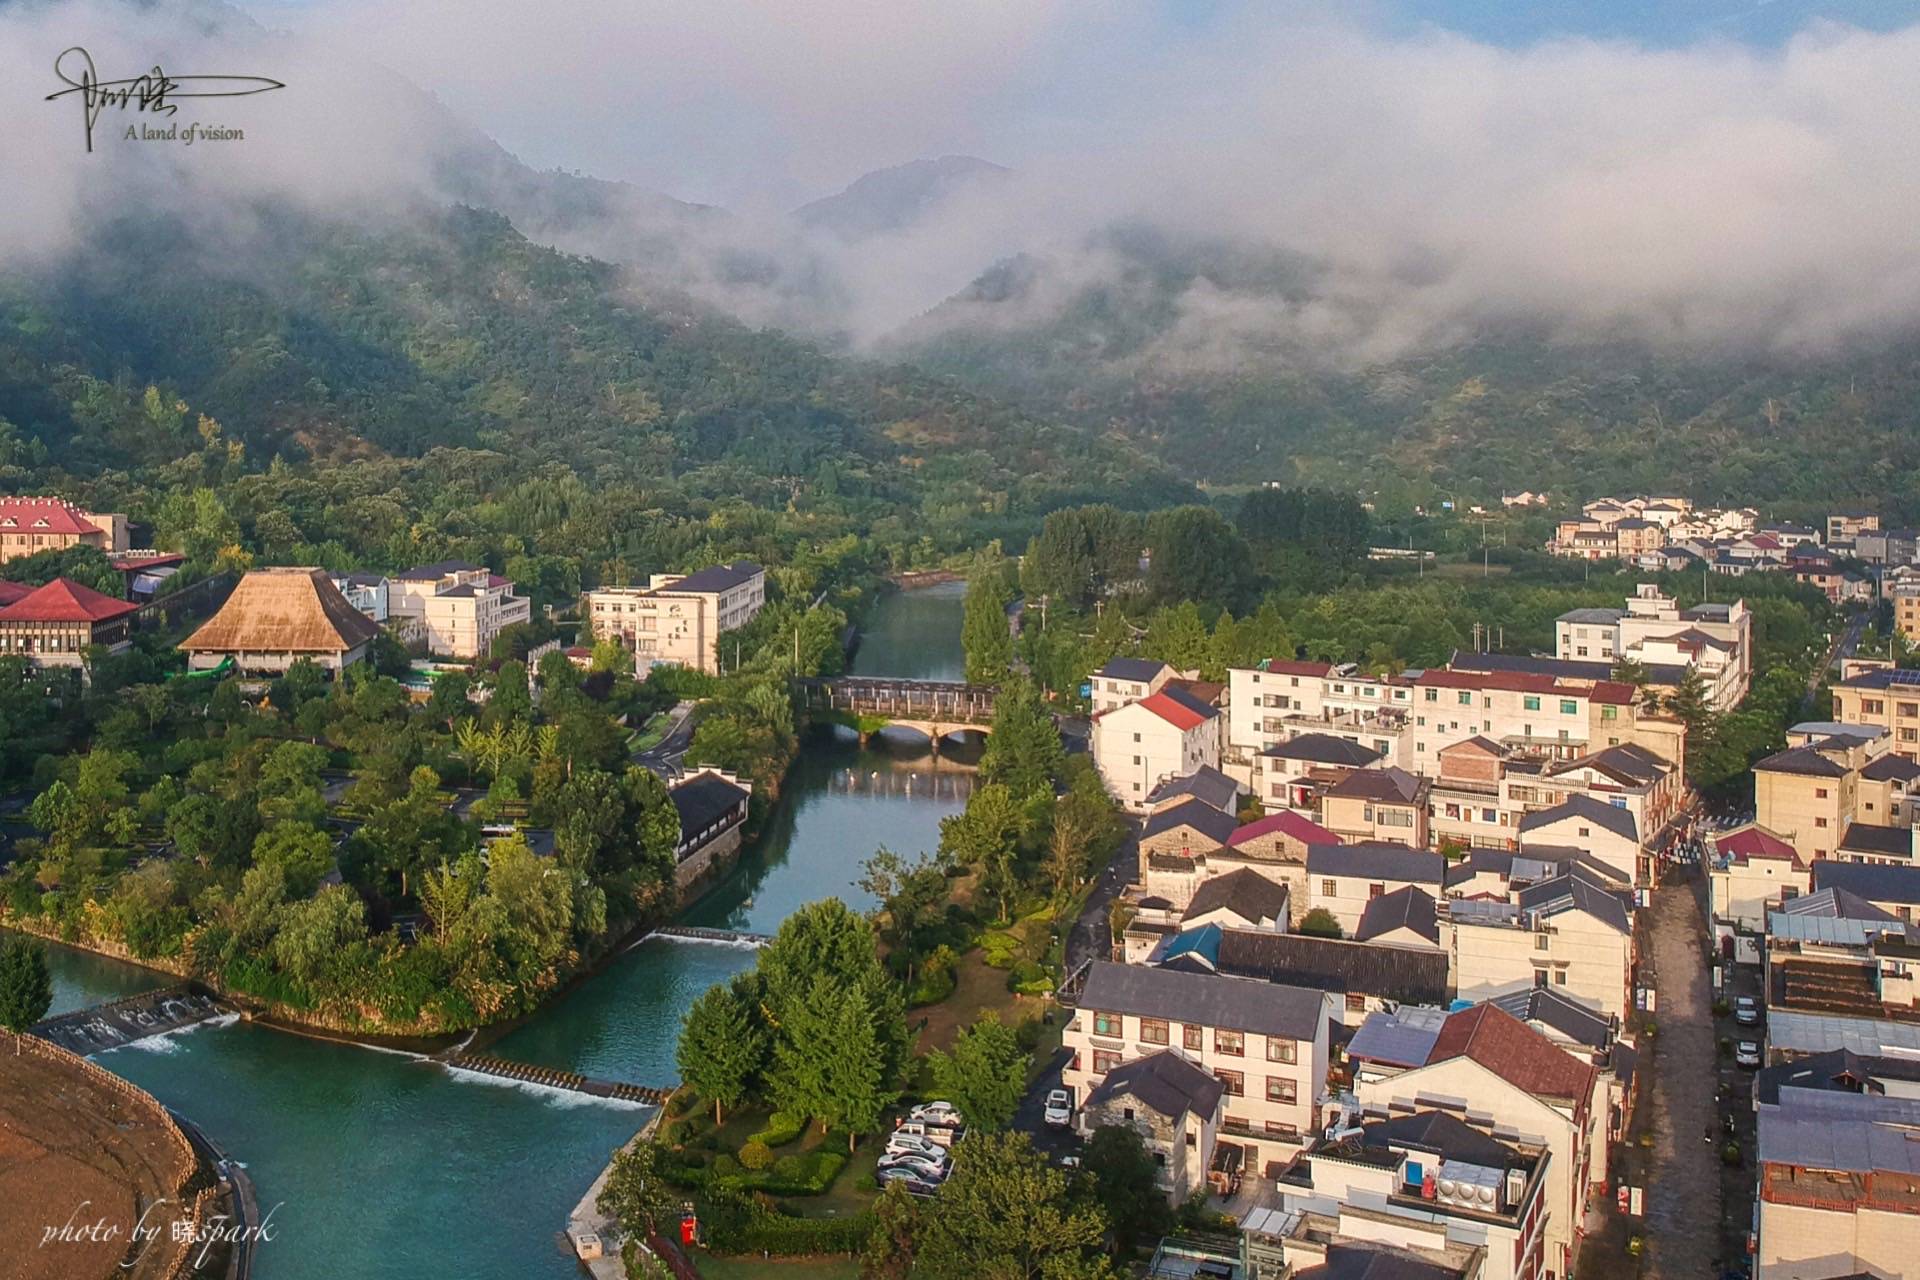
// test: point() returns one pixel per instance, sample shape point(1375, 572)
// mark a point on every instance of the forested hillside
point(1176, 348)
point(362, 394)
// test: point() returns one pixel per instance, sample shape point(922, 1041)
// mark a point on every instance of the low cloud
point(1425, 185)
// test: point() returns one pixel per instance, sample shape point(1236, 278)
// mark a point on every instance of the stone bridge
point(935, 708)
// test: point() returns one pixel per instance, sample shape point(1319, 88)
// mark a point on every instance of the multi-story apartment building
point(1344, 879)
point(1905, 596)
point(1839, 1185)
point(1847, 526)
point(1388, 805)
point(1142, 744)
point(32, 525)
point(457, 608)
point(1423, 1195)
point(1281, 700)
point(1572, 933)
point(1125, 680)
point(1536, 715)
point(1830, 778)
point(1883, 697)
point(1753, 871)
point(1266, 1044)
point(1499, 1073)
point(56, 624)
point(678, 619)
point(1653, 630)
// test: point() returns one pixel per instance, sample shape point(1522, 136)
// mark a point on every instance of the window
point(1104, 1060)
point(1568, 707)
point(1609, 713)
point(1376, 890)
point(1909, 709)
point(1819, 822)
point(1153, 1030)
point(1193, 1037)
point(1539, 977)
point(1229, 1043)
point(1466, 697)
point(1281, 1089)
point(1530, 703)
point(1581, 651)
point(1543, 941)
point(1109, 1024)
point(1433, 695)
point(1356, 1003)
point(1279, 1050)
point(1560, 978)
point(1872, 706)
point(1819, 793)
point(1329, 889)
point(1233, 1082)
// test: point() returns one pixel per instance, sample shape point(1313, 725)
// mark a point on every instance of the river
point(379, 1165)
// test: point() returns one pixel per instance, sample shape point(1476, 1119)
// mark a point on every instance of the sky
point(1688, 171)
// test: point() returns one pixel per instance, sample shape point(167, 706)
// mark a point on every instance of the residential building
point(1883, 697)
point(1205, 784)
point(1572, 933)
point(1535, 715)
point(1604, 832)
point(1142, 744)
point(1847, 526)
point(1125, 680)
point(56, 624)
point(277, 616)
point(366, 592)
point(1295, 773)
point(1267, 1045)
point(32, 525)
point(1810, 793)
point(1184, 847)
point(1906, 609)
point(1378, 805)
point(1754, 870)
point(1425, 1195)
point(1714, 639)
point(1281, 700)
point(1839, 1185)
point(458, 608)
point(712, 807)
point(1361, 977)
point(679, 619)
point(1342, 879)
point(1493, 1070)
point(1407, 917)
point(1895, 890)
point(1175, 1105)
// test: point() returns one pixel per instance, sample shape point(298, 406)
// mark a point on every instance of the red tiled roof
point(1612, 691)
point(1755, 841)
point(28, 513)
point(1287, 822)
point(1515, 1052)
point(1174, 712)
point(1289, 667)
point(65, 601)
point(11, 591)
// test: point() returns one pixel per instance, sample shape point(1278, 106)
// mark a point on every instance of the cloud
point(1711, 195)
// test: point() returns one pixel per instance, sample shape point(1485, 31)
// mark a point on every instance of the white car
point(936, 1113)
point(1059, 1109)
point(1746, 1012)
point(1747, 1053)
point(901, 1144)
point(939, 1135)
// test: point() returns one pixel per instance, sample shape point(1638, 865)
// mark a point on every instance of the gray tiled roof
point(718, 577)
point(1205, 783)
point(1245, 891)
point(1408, 975)
point(1137, 670)
point(1874, 883)
point(1616, 820)
point(1578, 1022)
point(1405, 908)
point(1213, 1000)
point(1322, 748)
point(1164, 1081)
point(1198, 814)
point(1376, 860)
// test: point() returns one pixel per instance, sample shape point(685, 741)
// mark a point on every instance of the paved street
point(1683, 1193)
point(1091, 938)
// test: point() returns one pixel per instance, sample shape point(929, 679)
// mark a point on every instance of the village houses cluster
point(1380, 955)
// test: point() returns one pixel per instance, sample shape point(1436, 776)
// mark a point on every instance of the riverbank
point(595, 1236)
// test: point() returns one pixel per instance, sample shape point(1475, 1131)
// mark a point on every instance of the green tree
point(637, 1192)
point(985, 1075)
point(1197, 556)
point(722, 1046)
point(1023, 749)
point(26, 989)
point(1126, 1186)
point(984, 632)
point(312, 933)
point(888, 1254)
point(303, 853)
point(985, 837)
point(1004, 1215)
point(1319, 923)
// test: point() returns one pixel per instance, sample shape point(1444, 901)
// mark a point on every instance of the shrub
point(999, 949)
point(682, 1101)
point(866, 1182)
point(755, 1155)
point(754, 1229)
point(931, 987)
point(1730, 1155)
point(780, 1129)
point(1029, 978)
point(725, 1166)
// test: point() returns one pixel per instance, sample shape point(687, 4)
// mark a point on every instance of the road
point(1683, 1186)
point(1092, 939)
point(1844, 644)
point(664, 756)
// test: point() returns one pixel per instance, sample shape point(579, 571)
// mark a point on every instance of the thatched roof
point(284, 611)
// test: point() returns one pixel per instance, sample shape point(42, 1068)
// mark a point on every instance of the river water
point(379, 1165)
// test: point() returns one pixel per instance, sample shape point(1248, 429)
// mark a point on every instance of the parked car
point(936, 1113)
point(1059, 1110)
point(922, 1166)
point(906, 1144)
point(1746, 1011)
point(940, 1135)
point(914, 1184)
point(1747, 1053)
point(1070, 1161)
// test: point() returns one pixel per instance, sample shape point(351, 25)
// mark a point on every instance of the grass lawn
point(980, 987)
point(714, 1267)
point(652, 732)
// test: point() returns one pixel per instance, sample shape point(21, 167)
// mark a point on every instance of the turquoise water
point(383, 1166)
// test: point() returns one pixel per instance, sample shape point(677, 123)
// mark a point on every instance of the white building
point(458, 608)
point(678, 619)
point(1142, 744)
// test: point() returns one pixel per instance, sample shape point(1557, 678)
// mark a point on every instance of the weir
point(120, 1022)
point(700, 934)
point(555, 1078)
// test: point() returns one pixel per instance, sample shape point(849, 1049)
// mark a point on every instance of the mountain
point(892, 200)
point(1202, 353)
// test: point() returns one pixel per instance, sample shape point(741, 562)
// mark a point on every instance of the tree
point(512, 700)
point(312, 933)
point(984, 631)
point(1197, 556)
point(1023, 747)
point(1126, 1186)
point(1319, 923)
point(303, 853)
point(722, 1046)
point(26, 989)
point(1004, 1215)
point(985, 836)
point(888, 1254)
point(985, 1075)
point(637, 1192)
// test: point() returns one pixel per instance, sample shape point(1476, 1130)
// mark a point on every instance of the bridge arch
point(936, 709)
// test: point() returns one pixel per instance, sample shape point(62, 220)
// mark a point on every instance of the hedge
point(780, 1129)
point(759, 1231)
